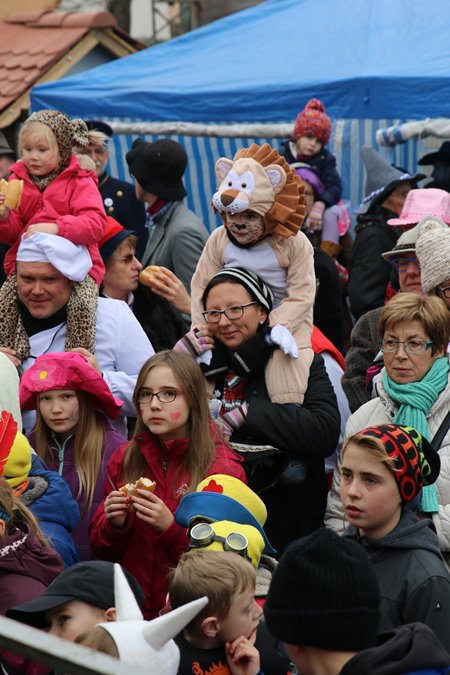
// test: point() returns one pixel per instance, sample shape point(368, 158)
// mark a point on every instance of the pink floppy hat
point(421, 203)
point(66, 370)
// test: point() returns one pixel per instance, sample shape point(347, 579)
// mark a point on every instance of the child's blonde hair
point(200, 452)
point(374, 447)
point(89, 435)
point(15, 514)
point(99, 639)
point(41, 130)
point(218, 575)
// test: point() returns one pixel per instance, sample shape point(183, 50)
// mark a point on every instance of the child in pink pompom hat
point(311, 133)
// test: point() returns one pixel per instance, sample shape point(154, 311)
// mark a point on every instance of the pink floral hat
point(66, 370)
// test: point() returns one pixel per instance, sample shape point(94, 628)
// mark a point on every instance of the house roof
point(43, 45)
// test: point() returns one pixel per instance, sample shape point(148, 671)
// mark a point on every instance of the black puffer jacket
point(308, 432)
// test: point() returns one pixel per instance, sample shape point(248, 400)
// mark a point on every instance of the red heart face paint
point(168, 421)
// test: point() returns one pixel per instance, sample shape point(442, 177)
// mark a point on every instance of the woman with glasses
point(174, 445)
point(236, 306)
point(412, 390)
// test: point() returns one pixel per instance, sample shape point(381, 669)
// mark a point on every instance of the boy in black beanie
point(323, 605)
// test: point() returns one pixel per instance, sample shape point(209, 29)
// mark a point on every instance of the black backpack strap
point(440, 434)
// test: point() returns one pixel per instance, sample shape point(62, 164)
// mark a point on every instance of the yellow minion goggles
point(202, 535)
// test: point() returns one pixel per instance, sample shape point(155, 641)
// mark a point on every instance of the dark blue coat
point(50, 500)
point(120, 202)
point(324, 164)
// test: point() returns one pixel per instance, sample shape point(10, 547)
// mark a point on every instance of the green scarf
point(415, 400)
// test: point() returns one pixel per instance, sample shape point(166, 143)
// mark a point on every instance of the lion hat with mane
point(259, 179)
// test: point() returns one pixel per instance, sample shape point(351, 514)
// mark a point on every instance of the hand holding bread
point(166, 284)
point(11, 192)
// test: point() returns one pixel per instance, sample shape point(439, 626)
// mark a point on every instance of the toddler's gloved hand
point(282, 337)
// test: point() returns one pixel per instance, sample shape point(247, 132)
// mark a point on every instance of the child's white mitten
point(282, 337)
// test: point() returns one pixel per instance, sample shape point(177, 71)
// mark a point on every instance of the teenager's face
point(369, 493)
point(68, 621)
point(307, 146)
point(39, 154)
point(243, 617)
point(60, 410)
point(168, 421)
point(247, 227)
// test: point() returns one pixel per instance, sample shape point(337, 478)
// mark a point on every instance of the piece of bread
point(145, 276)
point(130, 489)
point(13, 192)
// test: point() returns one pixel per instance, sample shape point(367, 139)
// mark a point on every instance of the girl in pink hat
point(72, 434)
point(175, 445)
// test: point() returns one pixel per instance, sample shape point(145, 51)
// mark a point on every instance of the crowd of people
point(201, 470)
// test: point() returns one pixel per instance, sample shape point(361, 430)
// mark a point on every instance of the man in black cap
point(440, 160)
point(119, 198)
point(176, 235)
point(323, 607)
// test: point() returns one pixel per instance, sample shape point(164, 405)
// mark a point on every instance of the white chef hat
point(72, 260)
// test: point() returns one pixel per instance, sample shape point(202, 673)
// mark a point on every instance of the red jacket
point(144, 552)
point(72, 201)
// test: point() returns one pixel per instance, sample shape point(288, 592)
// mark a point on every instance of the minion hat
point(223, 528)
point(222, 497)
point(66, 370)
point(147, 642)
point(18, 464)
point(313, 121)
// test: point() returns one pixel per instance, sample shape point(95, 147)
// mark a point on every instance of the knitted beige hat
point(433, 253)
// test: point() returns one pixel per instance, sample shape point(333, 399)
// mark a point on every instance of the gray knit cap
point(433, 253)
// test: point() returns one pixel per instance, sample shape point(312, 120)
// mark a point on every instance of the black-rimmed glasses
point(164, 395)
point(232, 313)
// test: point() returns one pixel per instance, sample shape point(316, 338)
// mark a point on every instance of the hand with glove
point(281, 336)
point(314, 219)
point(232, 420)
point(197, 342)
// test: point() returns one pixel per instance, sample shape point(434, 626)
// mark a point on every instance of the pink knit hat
point(313, 121)
point(66, 370)
point(421, 203)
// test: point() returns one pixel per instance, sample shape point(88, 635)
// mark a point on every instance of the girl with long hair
point(72, 434)
point(176, 445)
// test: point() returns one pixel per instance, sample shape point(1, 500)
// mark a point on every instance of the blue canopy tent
point(373, 64)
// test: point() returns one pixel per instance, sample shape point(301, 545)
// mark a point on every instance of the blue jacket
point(50, 500)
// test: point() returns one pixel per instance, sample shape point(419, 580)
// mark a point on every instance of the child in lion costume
point(261, 201)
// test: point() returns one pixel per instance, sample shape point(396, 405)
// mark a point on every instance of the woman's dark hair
point(162, 324)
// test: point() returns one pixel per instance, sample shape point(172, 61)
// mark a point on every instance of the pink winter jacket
point(72, 201)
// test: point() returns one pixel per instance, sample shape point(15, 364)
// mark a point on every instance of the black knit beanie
point(324, 593)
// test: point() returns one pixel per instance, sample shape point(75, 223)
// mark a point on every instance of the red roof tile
point(32, 42)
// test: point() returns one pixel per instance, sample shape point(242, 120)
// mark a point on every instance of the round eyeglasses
point(444, 291)
point(202, 535)
point(232, 313)
point(145, 396)
point(410, 346)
